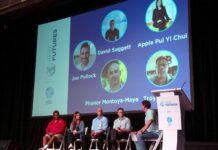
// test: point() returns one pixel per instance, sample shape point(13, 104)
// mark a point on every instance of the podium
point(171, 105)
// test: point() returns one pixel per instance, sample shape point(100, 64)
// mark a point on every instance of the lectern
point(171, 105)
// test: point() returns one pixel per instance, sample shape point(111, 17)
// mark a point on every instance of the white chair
point(79, 140)
point(127, 141)
point(155, 142)
point(61, 140)
point(95, 141)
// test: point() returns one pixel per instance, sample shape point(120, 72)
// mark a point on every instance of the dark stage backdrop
point(18, 48)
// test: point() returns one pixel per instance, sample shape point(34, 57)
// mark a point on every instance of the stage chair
point(61, 141)
point(79, 140)
point(127, 141)
point(155, 142)
point(95, 141)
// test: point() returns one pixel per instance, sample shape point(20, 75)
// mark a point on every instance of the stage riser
point(201, 146)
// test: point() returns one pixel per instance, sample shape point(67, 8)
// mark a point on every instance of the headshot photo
point(160, 15)
point(113, 76)
point(162, 68)
point(114, 26)
point(84, 55)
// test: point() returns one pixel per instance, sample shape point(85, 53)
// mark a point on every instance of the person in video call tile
point(112, 34)
point(76, 131)
point(84, 57)
point(113, 76)
point(162, 76)
point(121, 128)
point(160, 16)
point(54, 130)
point(150, 129)
point(98, 130)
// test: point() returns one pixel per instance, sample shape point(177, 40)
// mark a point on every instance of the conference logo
point(50, 69)
point(49, 92)
point(52, 54)
point(169, 121)
point(168, 104)
point(162, 104)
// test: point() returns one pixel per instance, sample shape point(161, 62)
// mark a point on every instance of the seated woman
point(76, 130)
point(160, 16)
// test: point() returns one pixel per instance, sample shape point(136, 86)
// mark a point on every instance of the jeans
point(70, 138)
point(140, 143)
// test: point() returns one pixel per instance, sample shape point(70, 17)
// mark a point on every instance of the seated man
point(120, 129)
point(99, 126)
point(54, 130)
point(150, 129)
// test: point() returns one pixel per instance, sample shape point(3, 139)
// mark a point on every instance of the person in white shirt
point(84, 57)
point(121, 128)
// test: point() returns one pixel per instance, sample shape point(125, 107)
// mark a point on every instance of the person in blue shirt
point(76, 131)
point(98, 129)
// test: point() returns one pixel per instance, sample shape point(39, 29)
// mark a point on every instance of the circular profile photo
point(84, 55)
point(160, 15)
point(162, 68)
point(114, 26)
point(113, 76)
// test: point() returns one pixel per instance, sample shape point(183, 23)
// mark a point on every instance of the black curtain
point(18, 50)
point(201, 124)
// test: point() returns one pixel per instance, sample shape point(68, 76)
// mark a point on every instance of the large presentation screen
point(112, 57)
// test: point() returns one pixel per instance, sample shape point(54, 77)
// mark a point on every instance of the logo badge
point(162, 104)
point(169, 120)
point(49, 92)
point(51, 69)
